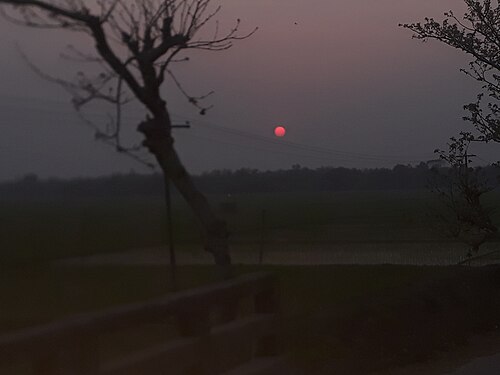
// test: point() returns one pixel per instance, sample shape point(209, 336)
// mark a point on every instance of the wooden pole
point(170, 235)
point(262, 237)
point(170, 230)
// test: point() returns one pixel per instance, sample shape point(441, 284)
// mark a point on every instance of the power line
point(312, 151)
point(317, 157)
point(309, 148)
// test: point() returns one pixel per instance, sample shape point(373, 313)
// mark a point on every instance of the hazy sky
point(351, 87)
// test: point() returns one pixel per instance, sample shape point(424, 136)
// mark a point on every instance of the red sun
point(279, 131)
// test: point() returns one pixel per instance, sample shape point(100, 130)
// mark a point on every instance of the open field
point(33, 231)
point(337, 319)
point(302, 253)
point(335, 315)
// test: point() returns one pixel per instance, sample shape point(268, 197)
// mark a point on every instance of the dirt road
point(411, 253)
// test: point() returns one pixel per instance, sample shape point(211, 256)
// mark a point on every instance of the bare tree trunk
point(214, 230)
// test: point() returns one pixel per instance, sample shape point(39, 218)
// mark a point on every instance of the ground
point(337, 319)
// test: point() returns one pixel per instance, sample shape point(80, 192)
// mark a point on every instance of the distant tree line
point(245, 180)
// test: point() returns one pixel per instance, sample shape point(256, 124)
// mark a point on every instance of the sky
point(350, 86)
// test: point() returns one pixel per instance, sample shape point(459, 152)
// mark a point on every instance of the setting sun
point(279, 131)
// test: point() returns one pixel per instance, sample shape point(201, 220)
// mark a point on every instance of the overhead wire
point(317, 157)
point(308, 148)
point(299, 149)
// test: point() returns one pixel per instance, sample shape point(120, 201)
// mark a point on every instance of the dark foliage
point(461, 190)
point(244, 180)
point(477, 34)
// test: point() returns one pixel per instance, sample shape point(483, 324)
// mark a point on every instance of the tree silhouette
point(477, 34)
point(136, 43)
point(460, 188)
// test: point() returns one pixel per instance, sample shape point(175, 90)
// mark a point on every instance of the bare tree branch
point(136, 41)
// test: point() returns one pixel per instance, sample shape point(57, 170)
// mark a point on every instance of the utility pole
point(262, 237)
point(466, 161)
point(170, 230)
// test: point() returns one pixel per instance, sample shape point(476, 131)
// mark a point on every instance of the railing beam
point(266, 302)
point(71, 346)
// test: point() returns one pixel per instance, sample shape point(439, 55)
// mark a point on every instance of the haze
point(339, 75)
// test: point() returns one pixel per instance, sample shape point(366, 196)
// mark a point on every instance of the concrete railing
point(213, 335)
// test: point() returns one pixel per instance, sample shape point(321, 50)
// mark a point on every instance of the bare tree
point(477, 33)
point(460, 189)
point(136, 42)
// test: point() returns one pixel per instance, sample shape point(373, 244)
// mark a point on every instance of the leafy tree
point(136, 43)
point(460, 188)
point(477, 33)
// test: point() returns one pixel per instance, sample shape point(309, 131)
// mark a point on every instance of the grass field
point(334, 315)
point(41, 230)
